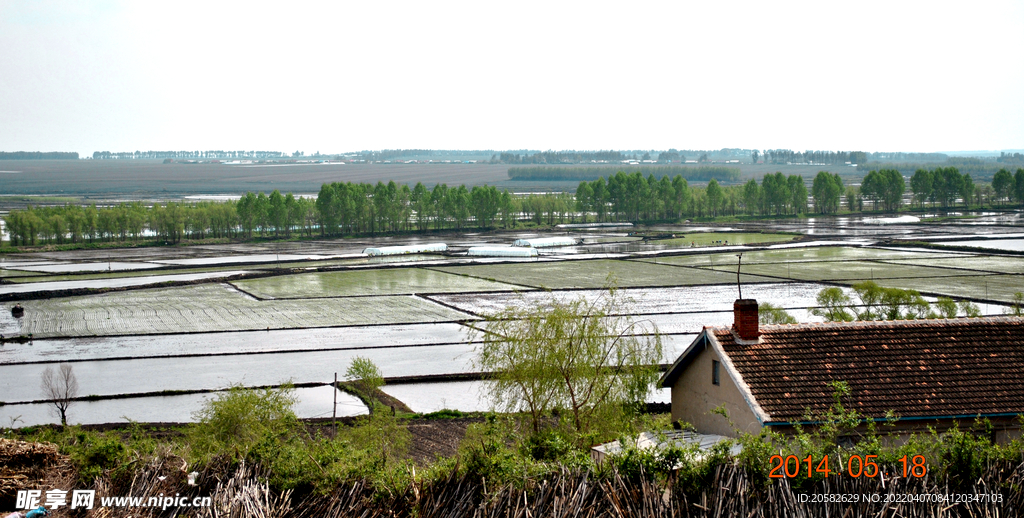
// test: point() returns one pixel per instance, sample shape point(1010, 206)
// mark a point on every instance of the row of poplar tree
point(360, 208)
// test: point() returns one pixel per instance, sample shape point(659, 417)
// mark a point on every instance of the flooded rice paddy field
point(86, 267)
point(466, 396)
point(311, 402)
point(595, 274)
point(1016, 245)
point(994, 264)
point(235, 342)
point(838, 271)
point(394, 281)
point(119, 282)
point(413, 315)
point(213, 307)
point(20, 382)
point(642, 301)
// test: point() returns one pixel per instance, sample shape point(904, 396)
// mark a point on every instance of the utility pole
point(739, 263)
point(334, 412)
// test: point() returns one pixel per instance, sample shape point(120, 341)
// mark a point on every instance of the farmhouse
point(929, 372)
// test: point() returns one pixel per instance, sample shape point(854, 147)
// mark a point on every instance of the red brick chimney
point(745, 319)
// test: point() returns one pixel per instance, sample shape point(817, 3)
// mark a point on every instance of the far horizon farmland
point(101, 180)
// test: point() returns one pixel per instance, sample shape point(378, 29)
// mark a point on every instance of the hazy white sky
point(339, 76)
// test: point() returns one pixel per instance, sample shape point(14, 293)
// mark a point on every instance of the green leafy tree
point(1002, 184)
point(876, 303)
point(854, 201)
point(921, 185)
point(752, 196)
point(683, 196)
point(585, 199)
point(240, 420)
point(578, 357)
point(485, 201)
point(1018, 186)
point(948, 308)
point(826, 190)
point(775, 191)
point(277, 212)
point(364, 371)
point(600, 197)
point(797, 193)
point(884, 187)
point(966, 189)
point(947, 184)
point(769, 314)
point(714, 195)
point(1017, 306)
point(833, 304)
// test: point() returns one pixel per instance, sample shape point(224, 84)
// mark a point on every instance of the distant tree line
point(362, 208)
point(631, 197)
point(392, 154)
point(346, 208)
point(125, 222)
point(1007, 158)
point(38, 155)
point(697, 173)
point(186, 155)
point(906, 157)
point(788, 156)
point(579, 157)
point(977, 168)
point(560, 157)
point(671, 156)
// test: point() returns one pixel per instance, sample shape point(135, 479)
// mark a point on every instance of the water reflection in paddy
point(1016, 245)
point(121, 282)
point(109, 377)
point(136, 346)
point(310, 402)
point(465, 396)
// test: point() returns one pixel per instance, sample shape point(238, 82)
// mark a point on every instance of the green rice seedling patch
point(393, 281)
point(38, 199)
point(215, 307)
point(15, 274)
point(838, 270)
point(980, 287)
point(723, 238)
point(596, 273)
point(982, 263)
point(800, 254)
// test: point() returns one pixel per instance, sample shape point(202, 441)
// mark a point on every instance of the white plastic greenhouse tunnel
point(542, 242)
point(407, 249)
point(502, 251)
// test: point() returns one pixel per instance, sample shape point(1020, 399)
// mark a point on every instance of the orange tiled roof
point(918, 368)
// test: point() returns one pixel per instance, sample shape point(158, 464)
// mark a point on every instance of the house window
point(714, 372)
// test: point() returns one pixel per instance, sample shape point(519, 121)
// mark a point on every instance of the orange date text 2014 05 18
point(856, 466)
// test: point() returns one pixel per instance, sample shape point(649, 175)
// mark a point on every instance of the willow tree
point(583, 359)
